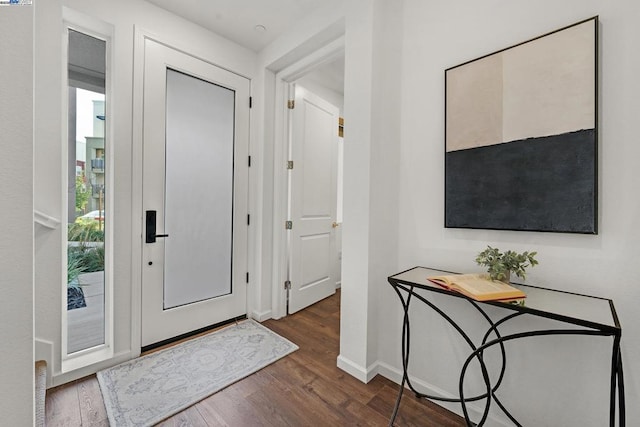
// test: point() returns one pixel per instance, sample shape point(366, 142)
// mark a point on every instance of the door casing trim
point(283, 89)
point(93, 27)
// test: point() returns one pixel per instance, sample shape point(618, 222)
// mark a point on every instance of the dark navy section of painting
point(536, 184)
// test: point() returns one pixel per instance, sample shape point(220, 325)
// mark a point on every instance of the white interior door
point(313, 199)
point(195, 185)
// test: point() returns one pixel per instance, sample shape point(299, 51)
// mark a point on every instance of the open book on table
point(479, 287)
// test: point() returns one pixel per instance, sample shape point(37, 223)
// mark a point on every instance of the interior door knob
point(335, 224)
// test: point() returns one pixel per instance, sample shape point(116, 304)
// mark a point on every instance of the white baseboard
point(261, 316)
point(363, 374)
point(389, 372)
point(475, 412)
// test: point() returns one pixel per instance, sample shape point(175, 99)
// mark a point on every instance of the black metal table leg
point(600, 319)
point(489, 395)
point(617, 386)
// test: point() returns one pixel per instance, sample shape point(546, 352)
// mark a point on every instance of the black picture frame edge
point(596, 112)
point(595, 18)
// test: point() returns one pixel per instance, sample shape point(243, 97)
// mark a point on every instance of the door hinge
point(291, 104)
point(288, 225)
point(251, 102)
point(289, 164)
point(248, 219)
point(249, 162)
point(287, 285)
point(247, 277)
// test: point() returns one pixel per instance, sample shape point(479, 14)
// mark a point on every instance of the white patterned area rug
point(146, 390)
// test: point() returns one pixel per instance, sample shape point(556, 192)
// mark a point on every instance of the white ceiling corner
point(236, 19)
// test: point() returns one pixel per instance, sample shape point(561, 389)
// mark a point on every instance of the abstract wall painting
point(521, 136)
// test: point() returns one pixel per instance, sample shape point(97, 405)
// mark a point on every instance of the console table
point(593, 315)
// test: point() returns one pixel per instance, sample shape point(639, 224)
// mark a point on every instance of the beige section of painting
point(540, 88)
point(474, 104)
point(549, 85)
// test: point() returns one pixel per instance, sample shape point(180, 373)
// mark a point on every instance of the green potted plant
point(500, 265)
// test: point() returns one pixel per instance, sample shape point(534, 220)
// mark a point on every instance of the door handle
point(335, 224)
point(150, 229)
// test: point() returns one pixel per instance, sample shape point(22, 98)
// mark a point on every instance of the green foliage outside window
point(82, 194)
point(85, 253)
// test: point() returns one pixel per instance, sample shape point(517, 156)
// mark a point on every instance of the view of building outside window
point(86, 194)
point(90, 155)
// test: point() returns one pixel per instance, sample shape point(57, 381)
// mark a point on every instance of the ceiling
point(237, 19)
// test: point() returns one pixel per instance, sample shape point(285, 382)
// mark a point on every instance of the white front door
point(195, 186)
point(313, 199)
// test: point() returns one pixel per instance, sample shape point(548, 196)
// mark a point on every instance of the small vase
point(507, 277)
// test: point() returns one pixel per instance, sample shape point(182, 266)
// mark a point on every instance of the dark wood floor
point(303, 389)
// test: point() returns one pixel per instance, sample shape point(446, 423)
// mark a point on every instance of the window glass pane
point(86, 193)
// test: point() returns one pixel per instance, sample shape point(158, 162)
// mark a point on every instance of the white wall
point(385, 173)
point(542, 371)
point(16, 215)
point(386, 167)
point(124, 16)
point(357, 320)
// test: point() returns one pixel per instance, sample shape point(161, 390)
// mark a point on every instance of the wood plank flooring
point(303, 389)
